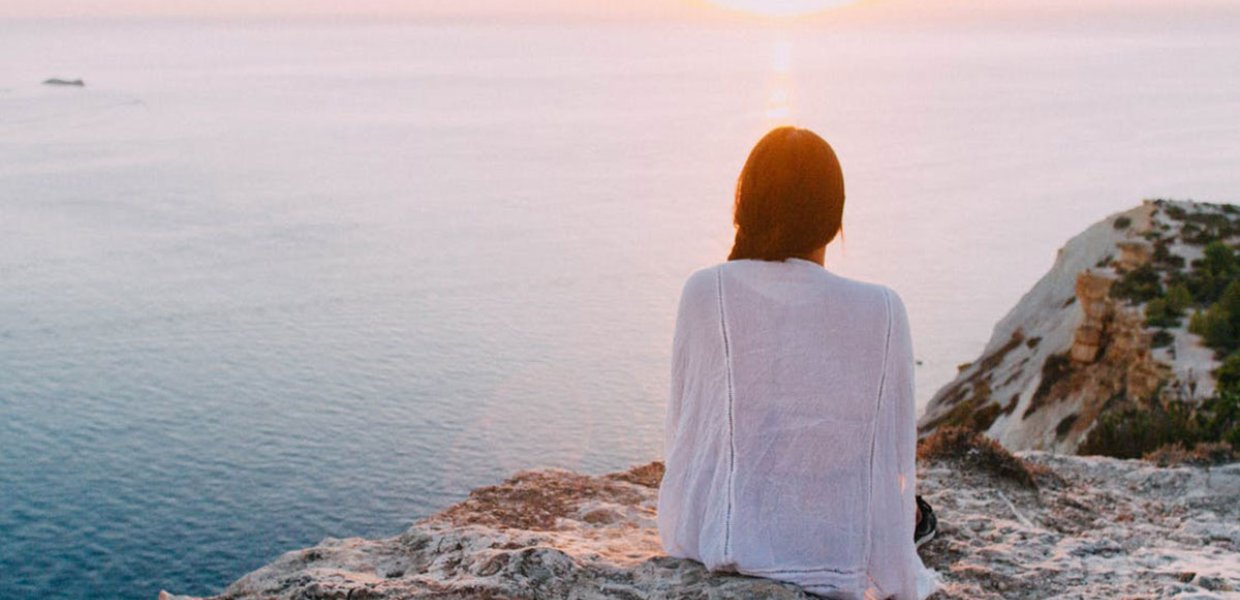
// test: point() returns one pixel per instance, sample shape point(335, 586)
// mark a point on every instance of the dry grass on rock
point(534, 500)
point(1204, 454)
point(649, 475)
point(976, 452)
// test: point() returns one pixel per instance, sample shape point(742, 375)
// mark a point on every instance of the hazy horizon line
point(903, 12)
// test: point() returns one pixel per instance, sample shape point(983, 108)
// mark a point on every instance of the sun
point(781, 8)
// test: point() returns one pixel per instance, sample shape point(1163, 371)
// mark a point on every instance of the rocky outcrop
point(1091, 293)
point(1089, 527)
point(1072, 350)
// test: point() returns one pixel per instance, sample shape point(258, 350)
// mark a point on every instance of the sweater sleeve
point(695, 297)
point(679, 517)
point(676, 392)
point(894, 566)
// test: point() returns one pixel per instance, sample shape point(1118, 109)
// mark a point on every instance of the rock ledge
point(1091, 527)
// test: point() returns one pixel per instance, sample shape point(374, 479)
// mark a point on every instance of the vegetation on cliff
point(1210, 287)
point(1128, 344)
point(1137, 432)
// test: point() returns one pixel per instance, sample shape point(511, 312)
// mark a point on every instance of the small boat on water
point(73, 82)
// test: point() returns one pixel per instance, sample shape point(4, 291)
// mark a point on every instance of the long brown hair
point(789, 197)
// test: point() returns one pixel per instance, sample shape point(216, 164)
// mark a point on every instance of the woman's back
point(790, 434)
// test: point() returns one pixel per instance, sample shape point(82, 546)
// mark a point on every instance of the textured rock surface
point(1094, 527)
point(1068, 351)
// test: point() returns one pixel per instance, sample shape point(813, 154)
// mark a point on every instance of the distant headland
point(65, 82)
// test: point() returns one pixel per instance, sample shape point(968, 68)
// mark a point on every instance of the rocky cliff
point(1085, 341)
point(1058, 526)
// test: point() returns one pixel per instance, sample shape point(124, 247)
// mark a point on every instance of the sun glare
point(781, 99)
point(781, 8)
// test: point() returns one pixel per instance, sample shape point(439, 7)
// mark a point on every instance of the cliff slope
point(1085, 340)
point(1080, 527)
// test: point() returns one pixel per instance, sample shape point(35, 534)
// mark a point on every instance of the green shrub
point(1229, 301)
point(1136, 431)
point(1218, 419)
point(1204, 286)
point(1165, 259)
point(1212, 273)
point(1219, 325)
point(1214, 327)
point(1122, 223)
point(1219, 259)
point(1159, 314)
point(1162, 338)
point(1139, 285)
point(1228, 375)
point(1197, 322)
point(1208, 227)
point(1179, 299)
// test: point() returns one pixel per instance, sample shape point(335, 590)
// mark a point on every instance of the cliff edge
point(1034, 527)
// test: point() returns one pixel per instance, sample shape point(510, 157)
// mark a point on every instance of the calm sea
point(264, 284)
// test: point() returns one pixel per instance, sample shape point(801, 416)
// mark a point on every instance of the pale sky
point(902, 10)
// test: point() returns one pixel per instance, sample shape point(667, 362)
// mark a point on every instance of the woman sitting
point(790, 438)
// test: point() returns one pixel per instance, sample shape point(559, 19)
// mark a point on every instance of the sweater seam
point(882, 382)
point(727, 358)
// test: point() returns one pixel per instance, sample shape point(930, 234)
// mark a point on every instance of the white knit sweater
point(790, 436)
